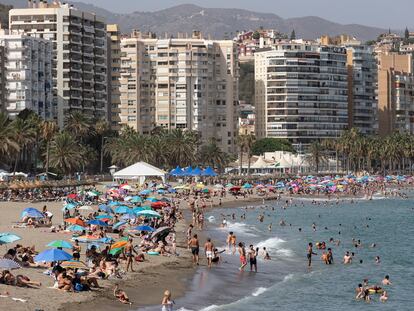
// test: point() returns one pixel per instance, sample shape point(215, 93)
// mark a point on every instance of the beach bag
point(79, 287)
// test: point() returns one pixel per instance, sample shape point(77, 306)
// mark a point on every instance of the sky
point(395, 14)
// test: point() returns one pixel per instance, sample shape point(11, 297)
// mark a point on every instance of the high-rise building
point(114, 68)
point(395, 93)
point(27, 74)
point(362, 86)
point(2, 80)
point(301, 92)
point(183, 83)
point(79, 54)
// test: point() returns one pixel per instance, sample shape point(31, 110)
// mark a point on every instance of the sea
point(285, 282)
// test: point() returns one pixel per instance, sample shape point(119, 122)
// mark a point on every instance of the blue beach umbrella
point(145, 192)
point(114, 203)
point(123, 209)
point(152, 199)
point(119, 224)
point(75, 228)
point(149, 214)
point(60, 243)
point(68, 206)
point(136, 199)
point(51, 255)
point(32, 212)
point(144, 228)
point(97, 222)
point(103, 217)
point(105, 208)
point(7, 237)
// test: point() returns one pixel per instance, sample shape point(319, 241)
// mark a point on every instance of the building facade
point(114, 75)
point(301, 92)
point(2, 80)
point(182, 83)
point(79, 55)
point(27, 75)
point(395, 93)
point(362, 86)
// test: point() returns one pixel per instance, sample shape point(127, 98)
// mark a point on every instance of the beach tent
point(140, 171)
point(177, 171)
point(209, 172)
point(188, 171)
point(196, 172)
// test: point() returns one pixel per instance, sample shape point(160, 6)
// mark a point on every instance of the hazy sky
point(382, 13)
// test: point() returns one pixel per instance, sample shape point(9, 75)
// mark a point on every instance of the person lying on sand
point(121, 295)
point(20, 280)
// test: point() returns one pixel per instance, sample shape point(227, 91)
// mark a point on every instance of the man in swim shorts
point(252, 258)
point(195, 248)
point(208, 248)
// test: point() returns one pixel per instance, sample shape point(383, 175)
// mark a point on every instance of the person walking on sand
point(195, 248)
point(208, 249)
point(129, 254)
point(167, 303)
point(309, 254)
point(242, 253)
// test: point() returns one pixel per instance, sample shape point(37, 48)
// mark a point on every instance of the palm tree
point(78, 124)
point(101, 128)
point(7, 143)
point(65, 153)
point(48, 130)
point(241, 143)
point(317, 155)
point(210, 154)
point(250, 139)
point(182, 147)
point(23, 134)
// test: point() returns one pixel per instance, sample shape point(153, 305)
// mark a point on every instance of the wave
point(211, 219)
point(273, 246)
point(259, 291)
point(239, 228)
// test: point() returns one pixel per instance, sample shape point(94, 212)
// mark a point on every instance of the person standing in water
point(310, 253)
point(242, 253)
point(167, 303)
point(252, 258)
point(195, 248)
point(231, 242)
point(208, 249)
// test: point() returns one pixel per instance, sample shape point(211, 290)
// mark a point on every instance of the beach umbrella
point(152, 199)
point(72, 196)
point(136, 199)
point(8, 264)
point(75, 221)
point(119, 244)
point(105, 208)
point(126, 187)
point(122, 209)
point(103, 216)
point(73, 264)
point(51, 255)
point(97, 222)
point(92, 193)
point(7, 237)
point(145, 192)
point(85, 208)
point(32, 212)
point(114, 203)
point(128, 216)
point(144, 228)
point(218, 186)
point(158, 205)
point(75, 228)
point(148, 214)
point(69, 206)
point(205, 190)
point(106, 240)
point(229, 185)
point(86, 238)
point(60, 243)
point(247, 186)
point(161, 232)
point(116, 251)
point(119, 224)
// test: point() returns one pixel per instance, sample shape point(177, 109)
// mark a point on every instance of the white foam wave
point(239, 228)
point(288, 277)
point(273, 246)
point(210, 308)
point(211, 219)
point(259, 291)
point(184, 309)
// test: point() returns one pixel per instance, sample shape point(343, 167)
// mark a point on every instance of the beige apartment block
point(79, 55)
point(395, 94)
point(114, 75)
point(180, 83)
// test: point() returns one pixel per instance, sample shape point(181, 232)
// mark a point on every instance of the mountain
point(221, 23)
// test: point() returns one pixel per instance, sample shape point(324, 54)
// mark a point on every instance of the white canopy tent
point(140, 171)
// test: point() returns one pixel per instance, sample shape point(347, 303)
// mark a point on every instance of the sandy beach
point(145, 286)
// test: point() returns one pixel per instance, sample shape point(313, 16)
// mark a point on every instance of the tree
point(317, 154)
point(406, 36)
point(48, 131)
point(248, 144)
point(78, 124)
point(101, 128)
point(256, 35)
point(293, 35)
point(65, 153)
point(210, 154)
point(271, 145)
point(241, 142)
point(23, 135)
point(7, 143)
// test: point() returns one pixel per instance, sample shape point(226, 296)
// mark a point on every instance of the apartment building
point(301, 92)
point(362, 86)
point(395, 93)
point(26, 75)
point(79, 54)
point(2, 80)
point(188, 83)
point(114, 75)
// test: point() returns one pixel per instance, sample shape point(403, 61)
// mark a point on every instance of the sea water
point(285, 282)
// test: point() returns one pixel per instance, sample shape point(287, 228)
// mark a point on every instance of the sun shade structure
point(140, 171)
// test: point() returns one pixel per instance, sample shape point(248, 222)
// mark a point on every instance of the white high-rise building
point(188, 83)
point(79, 54)
point(301, 92)
point(27, 71)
